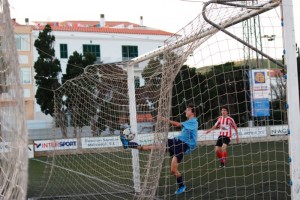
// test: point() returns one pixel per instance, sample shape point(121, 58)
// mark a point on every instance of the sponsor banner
point(243, 133)
point(251, 132)
point(279, 130)
point(145, 139)
point(5, 147)
point(30, 152)
point(100, 142)
point(260, 107)
point(259, 84)
point(213, 135)
point(260, 92)
point(48, 145)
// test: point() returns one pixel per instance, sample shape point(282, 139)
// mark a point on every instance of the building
point(24, 41)
point(110, 41)
point(277, 84)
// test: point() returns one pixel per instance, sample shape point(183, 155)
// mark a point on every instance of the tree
point(152, 72)
point(47, 69)
point(184, 91)
point(224, 85)
point(76, 64)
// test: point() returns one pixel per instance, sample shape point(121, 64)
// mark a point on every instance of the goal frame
point(292, 80)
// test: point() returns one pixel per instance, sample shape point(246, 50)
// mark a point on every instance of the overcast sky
point(168, 15)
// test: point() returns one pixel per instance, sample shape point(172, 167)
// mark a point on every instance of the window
point(26, 93)
point(25, 76)
point(22, 42)
point(63, 51)
point(137, 82)
point(94, 49)
point(23, 59)
point(160, 56)
point(129, 52)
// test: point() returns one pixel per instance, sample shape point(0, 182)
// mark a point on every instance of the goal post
point(209, 31)
point(201, 64)
point(133, 126)
point(13, 132)
point(292, 96)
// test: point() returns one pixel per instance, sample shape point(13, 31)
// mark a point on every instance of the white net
point(207, 63)
point(13, 134)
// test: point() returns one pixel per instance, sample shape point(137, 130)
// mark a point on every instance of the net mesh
point(202, 64)
point(13, 134)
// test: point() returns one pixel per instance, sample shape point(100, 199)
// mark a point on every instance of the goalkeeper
point(184, 143)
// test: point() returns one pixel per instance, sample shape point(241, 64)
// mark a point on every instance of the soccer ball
point(128, 134)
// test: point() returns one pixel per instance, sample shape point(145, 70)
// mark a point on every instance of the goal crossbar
point(210, 31)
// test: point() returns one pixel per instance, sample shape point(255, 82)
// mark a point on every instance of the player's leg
point(150, 147)
point(218, 150)
point(178, 176)
point(126, 144)
point(226, 142)
point(174, 167)
point(223, 155)
point(179, 148)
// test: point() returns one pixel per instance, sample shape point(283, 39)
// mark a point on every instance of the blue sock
point(179, 181)
point(133, 145)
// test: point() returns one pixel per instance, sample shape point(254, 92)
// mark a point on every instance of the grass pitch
point(254, 171)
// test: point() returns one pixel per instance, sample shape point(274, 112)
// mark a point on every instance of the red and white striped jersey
point(226, 125)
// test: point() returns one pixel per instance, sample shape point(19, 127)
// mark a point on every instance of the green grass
point(254, 171)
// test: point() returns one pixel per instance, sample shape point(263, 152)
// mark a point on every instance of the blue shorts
point(176, 147)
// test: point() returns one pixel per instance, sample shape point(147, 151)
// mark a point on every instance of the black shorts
point(176, 148)
point(222, 140)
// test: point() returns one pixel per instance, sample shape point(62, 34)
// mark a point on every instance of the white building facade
point(109, 41)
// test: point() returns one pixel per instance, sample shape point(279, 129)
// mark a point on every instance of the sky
point(167, 15)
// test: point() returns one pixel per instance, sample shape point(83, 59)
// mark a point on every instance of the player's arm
point(236, 131)
point(173, 123)
point(237, 134)
point(212, 128)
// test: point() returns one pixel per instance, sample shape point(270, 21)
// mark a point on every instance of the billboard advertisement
point(260, 90)
point(61, 144)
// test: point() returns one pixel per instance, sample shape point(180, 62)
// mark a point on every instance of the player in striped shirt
point(226, 124)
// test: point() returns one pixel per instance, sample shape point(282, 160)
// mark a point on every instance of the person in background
point(226, 124)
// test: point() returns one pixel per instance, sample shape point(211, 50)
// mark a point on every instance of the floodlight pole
point(133, 126)
point(292, 96)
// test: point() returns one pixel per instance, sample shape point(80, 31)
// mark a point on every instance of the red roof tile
point(106, 30)
point(89, 23)
point(14, 22)
point(95, 23)
point(275, 73)
point(139, 118)
point(110, 27)
point(144, 118)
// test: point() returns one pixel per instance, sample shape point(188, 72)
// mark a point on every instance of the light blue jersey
point(189, 134)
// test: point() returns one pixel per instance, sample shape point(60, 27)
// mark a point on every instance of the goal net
point(230, 55)
point(13, 134)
